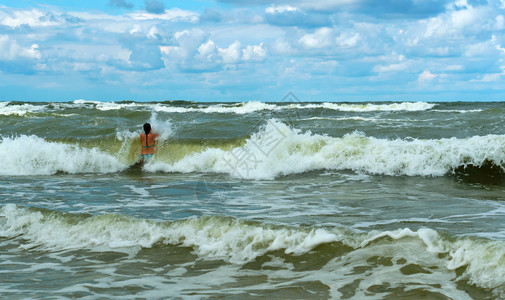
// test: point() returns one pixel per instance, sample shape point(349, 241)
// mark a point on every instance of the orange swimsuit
point(148, 147)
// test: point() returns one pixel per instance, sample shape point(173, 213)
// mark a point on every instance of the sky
point(254, 50)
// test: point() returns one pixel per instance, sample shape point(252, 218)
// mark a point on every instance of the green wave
point(404, 254)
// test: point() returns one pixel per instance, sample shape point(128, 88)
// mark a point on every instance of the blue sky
point(238, 50)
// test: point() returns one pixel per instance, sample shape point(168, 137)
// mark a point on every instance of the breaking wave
point(22, 109)
point(32, 155)
point(274, 150)
point(479, 261)
point(277, 150)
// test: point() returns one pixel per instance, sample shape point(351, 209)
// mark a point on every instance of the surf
point(22, 109)
point(32, 155)
point(478, 261)
point(277, 149)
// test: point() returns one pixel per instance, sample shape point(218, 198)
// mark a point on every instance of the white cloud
point(396, 63)
point(135, 29)
point(282, 47)
point(166, 49)
point(174, 15)
point(320, 38)
point(458, 4)
point(190, 39)
point(207, 51)
point(254, 52)
point(153, 33)
point(32, 18)
point(326, 5)
point(195, 51)
point(280, 9)
point(497, 44)
point(11, 50)
point(499, 22)
point(455, 23)
point(461, 19)
point(348, 40)
point(231, 54)
point(454, 68)
point(491, 77)
point(391, 68)
point(426, 76)
point(483, 49)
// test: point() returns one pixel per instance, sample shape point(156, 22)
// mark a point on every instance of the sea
point(253, 200)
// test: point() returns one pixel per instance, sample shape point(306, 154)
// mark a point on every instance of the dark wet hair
point(147, 129)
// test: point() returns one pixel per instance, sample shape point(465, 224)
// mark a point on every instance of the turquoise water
point(282, 200)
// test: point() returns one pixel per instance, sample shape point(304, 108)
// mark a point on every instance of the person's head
point(147, 128)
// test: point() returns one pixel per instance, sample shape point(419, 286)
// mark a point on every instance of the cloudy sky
point(243, 50)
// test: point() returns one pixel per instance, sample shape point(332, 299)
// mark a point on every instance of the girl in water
point(148, 141)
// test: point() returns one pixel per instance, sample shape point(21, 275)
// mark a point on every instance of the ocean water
point(288, 200)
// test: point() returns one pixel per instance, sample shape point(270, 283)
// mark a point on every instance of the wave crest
point(32, 155)
point(478, 260)
point(276, 150)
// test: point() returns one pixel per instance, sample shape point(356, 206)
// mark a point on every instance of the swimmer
point(148, 141)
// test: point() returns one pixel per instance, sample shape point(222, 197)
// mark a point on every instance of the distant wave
point(19, 109)
point(364, 107)
point(22, 109)
point(477, 260)
point(104, 106)
point(254, 106)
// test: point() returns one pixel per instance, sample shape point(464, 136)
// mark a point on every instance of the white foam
point(223, 108)
point(164, 128)
point(138, 190)
point(32, 155)
point(482, 258)
point(240, 242)
point(83, 101)
point(19, 109)
point(111, 105)
point(241, 108)
point(367, 107)
point(458, 111)
point(278, 150)
point(254, 106)
point(211, 237)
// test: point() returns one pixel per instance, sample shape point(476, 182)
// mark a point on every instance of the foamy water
point(240, 108)
point(280, 200)
point(275, 150)
point(239, 242)
point(279, 150)
point(31, 155)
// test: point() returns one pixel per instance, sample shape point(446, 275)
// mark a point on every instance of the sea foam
point(277, 149)
point(7, 109)
point(274, 150)
point(256, 106)
point(480, 261)
point(32, 155)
